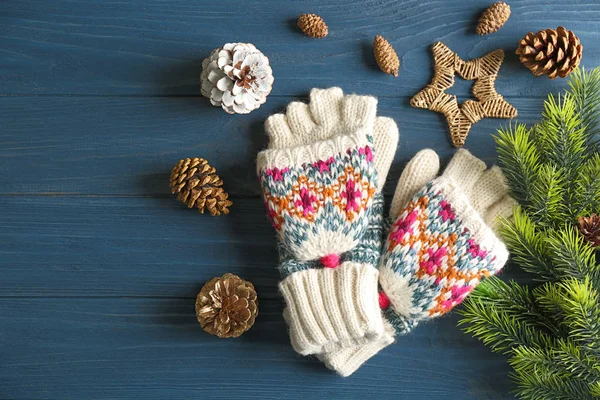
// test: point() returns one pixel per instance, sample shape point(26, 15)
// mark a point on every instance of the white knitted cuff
point(346, 361)
point(329, 309)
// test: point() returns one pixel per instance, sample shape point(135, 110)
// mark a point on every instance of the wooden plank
point(57, 246)
point(127, 146)
point(58, 348)
point(153, 47)
point(93, 246)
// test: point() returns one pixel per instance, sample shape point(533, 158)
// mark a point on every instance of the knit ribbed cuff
point(346, 361)
point(329, 309)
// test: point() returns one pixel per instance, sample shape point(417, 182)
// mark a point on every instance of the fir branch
point(571, 256)
point(559, 136)
point(556, 366)
point(585, 91)
point(500, 331)
point(519, 159)
point(553, 332)
point(561, 142)
point(517, 301)
point(546, 205)
point(595, 389)
point(527, 245)
point(526, 361)
point(587, 200)
point(582, 314)
point(535, 386)
point(549, 298)
point(580, 365)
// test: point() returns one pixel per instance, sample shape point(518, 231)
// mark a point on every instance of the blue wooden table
point(100, 265)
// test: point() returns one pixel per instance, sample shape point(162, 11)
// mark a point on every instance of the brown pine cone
point(227, 306)
point(312, 25)
point(386, 56)
point(551, 52)
point(197, 184)
point(493, 18)
point(589, 227)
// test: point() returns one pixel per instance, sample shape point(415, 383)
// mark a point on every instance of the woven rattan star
point(460, 118)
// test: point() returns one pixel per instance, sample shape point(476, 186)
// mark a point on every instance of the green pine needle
point(587, 187)
point(550, 387)
point(559, 136)
point(527, 245)
point(572, 359)
point(585, 91)
point(581, 310)
point(546, 205)
point(572, 256)
point(502, 332)
point(519, 159)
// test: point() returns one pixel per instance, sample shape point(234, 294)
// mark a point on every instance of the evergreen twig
point(551, 333)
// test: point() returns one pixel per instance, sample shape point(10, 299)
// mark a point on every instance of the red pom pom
point(330, 260)
point(384, 301)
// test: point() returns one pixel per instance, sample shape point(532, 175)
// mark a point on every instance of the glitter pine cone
point(227, 306)
point(236, 77)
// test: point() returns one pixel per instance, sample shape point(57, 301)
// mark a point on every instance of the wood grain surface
point(100, 264)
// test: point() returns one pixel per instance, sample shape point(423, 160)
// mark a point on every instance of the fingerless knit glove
point(321, 183)
point(440, 245)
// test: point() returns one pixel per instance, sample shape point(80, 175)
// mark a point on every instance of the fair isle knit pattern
point(436, 253)
point(322, 206)
point(367, 251)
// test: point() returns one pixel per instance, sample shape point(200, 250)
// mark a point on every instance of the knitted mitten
point(440, 245)
point(321, 185)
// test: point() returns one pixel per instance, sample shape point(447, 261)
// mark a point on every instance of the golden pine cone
point(312, 25)
point(227, 306)
point(551, 52)
point(589, 227)
point(386, 56)
point(493, 18)
point(197, 185)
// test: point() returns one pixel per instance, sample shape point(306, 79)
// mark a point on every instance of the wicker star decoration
point(460, 118)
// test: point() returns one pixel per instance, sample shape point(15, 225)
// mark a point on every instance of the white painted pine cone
point(236, 77)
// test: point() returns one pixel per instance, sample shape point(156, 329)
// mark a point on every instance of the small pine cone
point(236, 77)
point(227, 306)
point(197, 184)
point(551, 52)
point(589, 227)
point(312, 25)
point(386, 56)
point(493, 18)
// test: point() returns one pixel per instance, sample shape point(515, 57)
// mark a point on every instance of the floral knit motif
point(321, 207)
point(432, 259)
